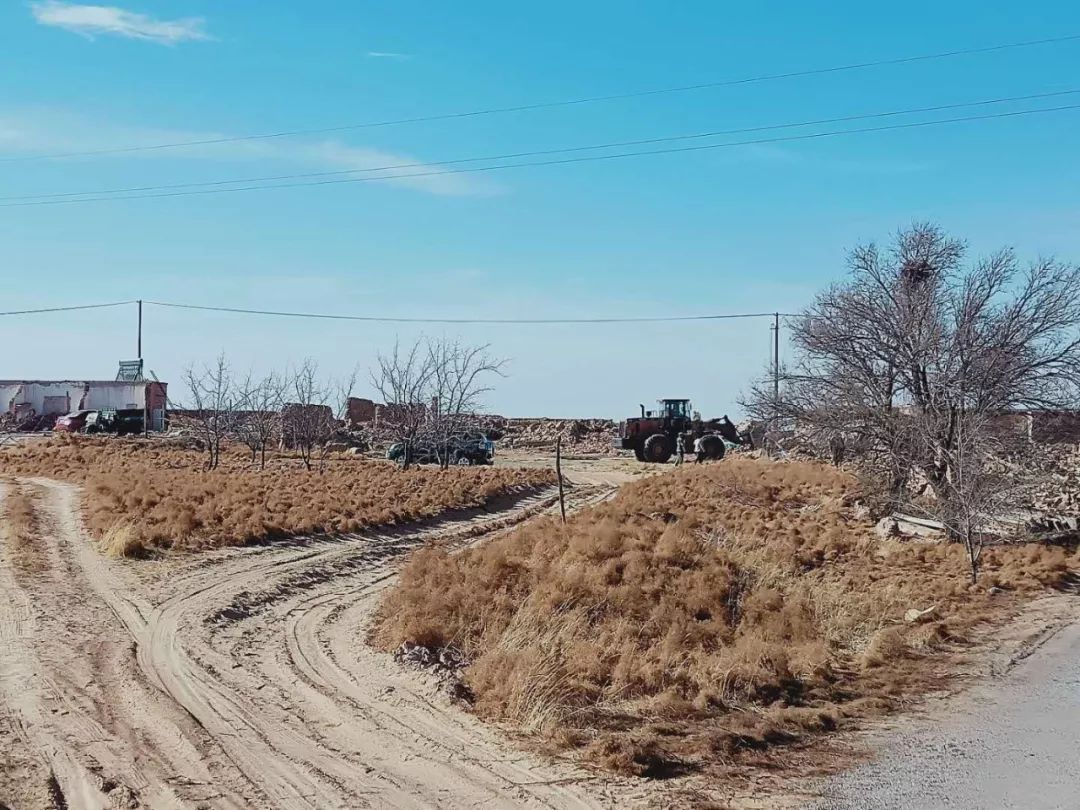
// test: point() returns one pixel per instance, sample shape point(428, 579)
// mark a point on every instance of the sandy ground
point(239, 679)
point(1013, 741)
point(599, 470)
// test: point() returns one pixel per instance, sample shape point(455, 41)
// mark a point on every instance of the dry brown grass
point(704, 616)
point(20, 529)
point(122, 539)
point(141, 497)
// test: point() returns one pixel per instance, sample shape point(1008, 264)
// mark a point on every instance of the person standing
point(680, 450)
point(699, 450)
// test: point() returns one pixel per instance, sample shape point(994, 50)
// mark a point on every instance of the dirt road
point(238, 679)
point(1011, 742)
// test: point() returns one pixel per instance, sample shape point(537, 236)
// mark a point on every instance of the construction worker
point(680, 450)
point(699, 450)
point(837, 448)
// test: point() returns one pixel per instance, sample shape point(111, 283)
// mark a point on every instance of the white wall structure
point(47, 397)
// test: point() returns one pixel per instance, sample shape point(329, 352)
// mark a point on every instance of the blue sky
point(747, 228)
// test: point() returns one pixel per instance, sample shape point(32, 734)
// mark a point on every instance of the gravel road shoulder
point(1012, 741)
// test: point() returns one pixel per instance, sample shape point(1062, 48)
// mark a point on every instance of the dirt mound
point(704, 616)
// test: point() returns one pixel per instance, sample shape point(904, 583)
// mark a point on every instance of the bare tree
point(979, 495)
point(259, 421)
point(457, 385)
point(403, 381)
point(342, 389)
point(307, 421)
point(433, 392)
point(914, 354)
point(339, 391)
point(214, 402)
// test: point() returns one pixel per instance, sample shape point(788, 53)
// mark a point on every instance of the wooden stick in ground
point(558, 473)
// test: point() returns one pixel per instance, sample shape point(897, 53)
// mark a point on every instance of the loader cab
point(674, 408)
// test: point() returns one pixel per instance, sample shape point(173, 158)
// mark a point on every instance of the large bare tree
point(432, 391)
point(458, 381)
point(914, 354)
point(214, 401)
point(403, 380)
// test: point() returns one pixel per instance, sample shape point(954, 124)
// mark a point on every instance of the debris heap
point(586, 436)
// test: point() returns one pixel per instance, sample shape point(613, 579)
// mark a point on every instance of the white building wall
point(100, 396)
point(9, 394)
point(13, 394)
point(116, 397)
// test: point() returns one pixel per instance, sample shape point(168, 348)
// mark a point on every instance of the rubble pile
point(447, 665)
point(1056, 480)
point(1044, 498)
point(182, 422)
point(27, 422)
point(587, 436)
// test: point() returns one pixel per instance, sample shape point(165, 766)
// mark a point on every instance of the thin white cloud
point(44, 131)
point(389, 55)
point(91, 21)
point(432, 179)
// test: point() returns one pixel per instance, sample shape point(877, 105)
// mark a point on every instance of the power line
point(522, 321)
point(554, 162)
point(386, 319)
point(542, 152)
point(67, 309)
point(565, 102)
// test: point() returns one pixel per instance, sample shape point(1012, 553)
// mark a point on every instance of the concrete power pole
point(776, 363)
point(776, 374)
point(146, 385)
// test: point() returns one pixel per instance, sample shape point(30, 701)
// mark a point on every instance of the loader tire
point(713, 446)
point(658, 449)
point(639, 453)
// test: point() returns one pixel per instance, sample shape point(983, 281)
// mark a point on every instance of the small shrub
point(123, 539)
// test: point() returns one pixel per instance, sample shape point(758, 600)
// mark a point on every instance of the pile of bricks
point(584, 436)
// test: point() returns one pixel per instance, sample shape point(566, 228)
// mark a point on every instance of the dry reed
point(21, 526)
point(703, 616)
point(140, 497)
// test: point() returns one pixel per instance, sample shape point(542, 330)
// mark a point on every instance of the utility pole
point(146, 385)
point(776, 363)
point(776, 374)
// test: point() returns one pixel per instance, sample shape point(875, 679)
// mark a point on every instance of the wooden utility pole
point(139, 345)
point(558, 473)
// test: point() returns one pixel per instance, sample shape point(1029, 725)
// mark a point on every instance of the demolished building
point(35, 404)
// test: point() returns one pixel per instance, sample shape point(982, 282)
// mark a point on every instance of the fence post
point(558, 473)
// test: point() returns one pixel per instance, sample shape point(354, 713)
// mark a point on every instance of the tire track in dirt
point(37, 767)
point(239, 678)
point(327, 745)
point(70, 681)
point(323, 632)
